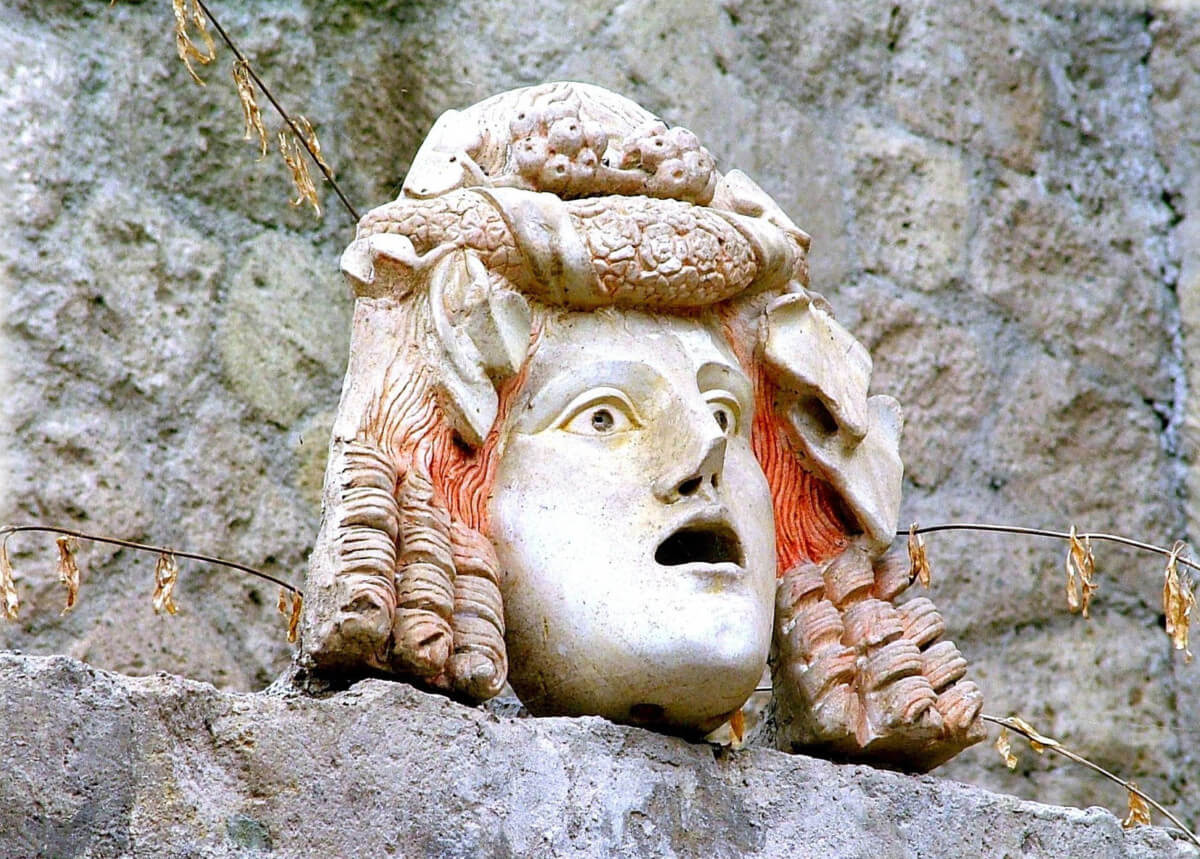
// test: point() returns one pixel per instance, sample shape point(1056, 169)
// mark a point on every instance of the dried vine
point(166, 572)
point(1178, 593)
point(1138, 815)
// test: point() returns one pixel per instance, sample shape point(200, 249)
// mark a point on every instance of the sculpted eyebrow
point(548, 399)
point(714, 374)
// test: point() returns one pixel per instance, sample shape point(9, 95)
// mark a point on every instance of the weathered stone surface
point(169, 767)
point(281, 338)
point(1174, 63)
point(915, 234)
point(992, 66)
point(1044, 371)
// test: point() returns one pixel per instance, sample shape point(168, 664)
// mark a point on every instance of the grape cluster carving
point(554, 149)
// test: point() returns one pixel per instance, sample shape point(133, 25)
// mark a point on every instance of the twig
point(279, 109)
point(9, 530)
point(1041, 532)
point(1058, 748)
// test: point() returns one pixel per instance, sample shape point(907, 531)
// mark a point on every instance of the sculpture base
point(104, 764)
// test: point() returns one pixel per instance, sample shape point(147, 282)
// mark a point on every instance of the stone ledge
point(101, 764)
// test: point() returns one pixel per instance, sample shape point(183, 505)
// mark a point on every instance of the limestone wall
point(1002, 199)
point(167, 767)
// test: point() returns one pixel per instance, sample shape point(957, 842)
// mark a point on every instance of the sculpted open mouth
point(701, 543)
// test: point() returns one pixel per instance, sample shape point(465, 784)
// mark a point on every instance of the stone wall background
point(1004, 206)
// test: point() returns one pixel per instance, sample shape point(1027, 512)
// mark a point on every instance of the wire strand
point(1042, 532)
point(279, 109)
point(9, 530)
point(1058, 748)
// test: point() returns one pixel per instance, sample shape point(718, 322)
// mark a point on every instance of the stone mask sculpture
point(599, 439)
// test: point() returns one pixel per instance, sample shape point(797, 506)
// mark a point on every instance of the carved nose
point(701, 476)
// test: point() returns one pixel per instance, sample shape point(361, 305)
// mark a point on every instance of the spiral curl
point(863, 678)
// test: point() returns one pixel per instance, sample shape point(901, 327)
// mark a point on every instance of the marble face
point(634, 524)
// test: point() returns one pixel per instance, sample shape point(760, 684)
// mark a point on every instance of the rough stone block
point(106, 765)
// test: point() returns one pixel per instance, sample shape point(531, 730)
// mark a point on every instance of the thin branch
point(1041, 532)
point(279, 109)
point(9, 530)
point(1058, 748)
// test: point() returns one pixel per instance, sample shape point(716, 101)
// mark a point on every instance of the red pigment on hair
point(807, 523)
point(462, 477)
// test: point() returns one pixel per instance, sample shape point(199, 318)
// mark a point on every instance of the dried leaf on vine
point(166, 574)
point(1139, 811)
point(8, 588)
point(68, 570)
point(1081, 571)
point(294, 620)
point(918, 563)
point(1038, 742)
point(737, 725)
point(282, 603)
point(1004, 747)
point(1178, 602)
point(314, 145)
point(184, 46)
point(250, 112)
point(293, 156)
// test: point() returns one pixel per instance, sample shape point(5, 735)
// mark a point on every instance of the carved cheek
point(749, 499)
point(555, 495)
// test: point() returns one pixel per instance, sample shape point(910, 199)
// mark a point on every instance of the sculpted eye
point(603, 420)
point(725, 409)
point(599, 412)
